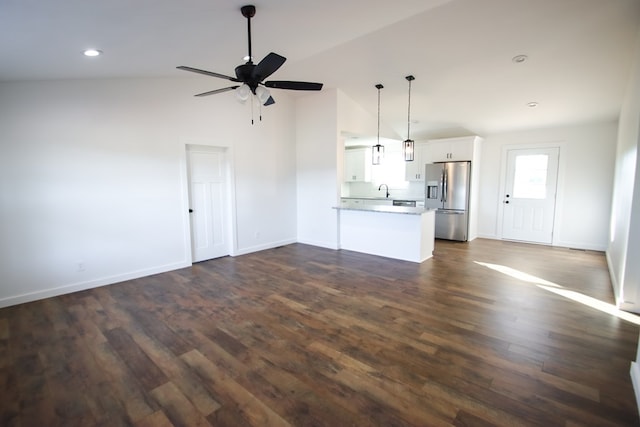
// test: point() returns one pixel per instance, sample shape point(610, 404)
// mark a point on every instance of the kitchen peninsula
point(399, 232)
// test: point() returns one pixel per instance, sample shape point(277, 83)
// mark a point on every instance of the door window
point(530, 178)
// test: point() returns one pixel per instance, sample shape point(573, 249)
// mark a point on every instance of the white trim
point(578, 245)
point(635, 380)
point(263, 247)
point(184, 193)
point(328, 245)
point(81, 286)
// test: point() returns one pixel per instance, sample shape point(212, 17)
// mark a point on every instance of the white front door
point(530, 194)
point(208, 198)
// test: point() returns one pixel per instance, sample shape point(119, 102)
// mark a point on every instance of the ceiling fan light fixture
point(243, 93)
point(408, 145)
point(377, 153)
point(263, 94)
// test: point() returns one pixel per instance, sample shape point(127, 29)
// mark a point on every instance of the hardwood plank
point(179, 374)
point(251, 408)
point(177, 407)
point(142, 367)
point(157, 419)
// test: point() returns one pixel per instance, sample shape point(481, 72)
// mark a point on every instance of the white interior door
point(530, 194)
point(208, 201)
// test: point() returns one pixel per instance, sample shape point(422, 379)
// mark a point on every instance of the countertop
point(382, 198)
point(407, 210)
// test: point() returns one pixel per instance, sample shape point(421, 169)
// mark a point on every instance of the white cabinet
point(414, 171)
point(357, 165)
point(378, 202)
point(451, 149)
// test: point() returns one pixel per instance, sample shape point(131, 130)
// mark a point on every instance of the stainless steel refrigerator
point(447, 190)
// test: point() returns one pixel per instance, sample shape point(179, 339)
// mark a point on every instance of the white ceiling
point(460, 52)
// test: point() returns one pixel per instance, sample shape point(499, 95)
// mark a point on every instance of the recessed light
point(92, 52)
point(532, 104)
point(519, 59)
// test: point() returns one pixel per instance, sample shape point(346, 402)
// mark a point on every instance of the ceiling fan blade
point(267, 66)
point(269, 101)
point(291, 85)
point(213, 92)
point(207, 73)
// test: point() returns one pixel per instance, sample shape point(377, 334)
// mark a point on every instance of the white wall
point(317, 175)
point(585, 180)
point(623, 251)
point(92, 178)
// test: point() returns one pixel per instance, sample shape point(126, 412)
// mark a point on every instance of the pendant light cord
point(379, 86)
point(409, 113)
point(409, 79)
point(379, 115)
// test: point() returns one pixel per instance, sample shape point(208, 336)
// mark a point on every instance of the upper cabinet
point(414, 170)
point(357, 164)
point(452, 149)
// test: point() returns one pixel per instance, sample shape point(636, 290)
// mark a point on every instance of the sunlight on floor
point(567, 293)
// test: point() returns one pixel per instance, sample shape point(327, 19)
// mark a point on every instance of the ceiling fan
point(251, 76)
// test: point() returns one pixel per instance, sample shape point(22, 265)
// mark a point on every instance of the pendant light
point(378, 150)
point(408, 145)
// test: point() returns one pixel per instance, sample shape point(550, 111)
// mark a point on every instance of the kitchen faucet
point(385, 186)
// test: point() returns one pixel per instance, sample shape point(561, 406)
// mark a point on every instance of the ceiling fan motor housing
point(244, 73)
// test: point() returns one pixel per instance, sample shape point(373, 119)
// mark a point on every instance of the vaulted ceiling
point(579, 52)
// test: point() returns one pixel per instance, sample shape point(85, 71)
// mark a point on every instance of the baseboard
point(635, 380)
point(90, 284)
point(327, 245)
point(580, 245)
point(263, 247)
point(487, 236)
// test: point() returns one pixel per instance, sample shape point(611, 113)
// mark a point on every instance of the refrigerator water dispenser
point(432, 191)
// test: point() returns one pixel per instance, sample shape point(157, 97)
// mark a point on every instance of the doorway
point(208, 171)
point(529, 200)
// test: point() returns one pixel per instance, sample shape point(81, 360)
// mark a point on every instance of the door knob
point(507, 202)
point(190, 210)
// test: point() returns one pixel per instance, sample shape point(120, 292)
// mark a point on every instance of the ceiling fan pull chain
point(252, 110)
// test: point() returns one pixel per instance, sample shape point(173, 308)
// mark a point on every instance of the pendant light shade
point(263, 95)
point(242, 93)
point(408, 145)
point(378, 150)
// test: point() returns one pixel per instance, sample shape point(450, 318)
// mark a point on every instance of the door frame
point(230, 190)
point(557, 214)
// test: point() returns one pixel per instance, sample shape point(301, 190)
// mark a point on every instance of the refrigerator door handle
point(441, 186)
point(446, 184)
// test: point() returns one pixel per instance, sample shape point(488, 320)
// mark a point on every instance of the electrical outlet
point(256, 234)
point(80, 267)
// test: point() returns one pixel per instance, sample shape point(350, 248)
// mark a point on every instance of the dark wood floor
point(303, 336)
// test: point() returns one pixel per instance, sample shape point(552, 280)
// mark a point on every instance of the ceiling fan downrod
point(249, 12)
